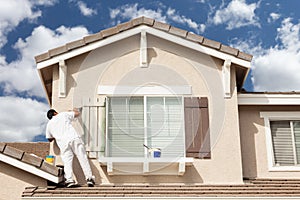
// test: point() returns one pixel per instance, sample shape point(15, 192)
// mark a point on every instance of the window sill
point(284, 169)
point(182, 162)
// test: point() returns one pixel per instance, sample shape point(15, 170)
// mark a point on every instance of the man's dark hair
point(51, 113)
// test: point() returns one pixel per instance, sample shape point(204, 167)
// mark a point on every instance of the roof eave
point(149, 30)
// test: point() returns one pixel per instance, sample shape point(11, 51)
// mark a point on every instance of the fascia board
point(268, 99)
point(28, 168)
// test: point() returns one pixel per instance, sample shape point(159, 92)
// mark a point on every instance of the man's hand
point(76, 111)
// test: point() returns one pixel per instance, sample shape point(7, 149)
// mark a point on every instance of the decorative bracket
point(62, 79)
point(143, 50)
point(226, 78)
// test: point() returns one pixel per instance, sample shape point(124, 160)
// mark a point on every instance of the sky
point(267, 29)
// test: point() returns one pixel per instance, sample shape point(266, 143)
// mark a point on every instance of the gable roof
point(104, 34)
point(30, 163)
point(137, 26)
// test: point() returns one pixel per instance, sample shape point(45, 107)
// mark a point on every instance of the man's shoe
point(70, 184)
point(90, 182)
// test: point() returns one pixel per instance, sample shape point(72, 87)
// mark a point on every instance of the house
point(165, 107)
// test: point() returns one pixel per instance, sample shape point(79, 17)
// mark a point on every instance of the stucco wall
point(253, 142)
point(169, 65)
point(13, 182)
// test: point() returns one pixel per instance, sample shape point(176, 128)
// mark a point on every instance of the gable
point(144, 31)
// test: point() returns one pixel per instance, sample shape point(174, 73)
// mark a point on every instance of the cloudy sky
point(267, 29)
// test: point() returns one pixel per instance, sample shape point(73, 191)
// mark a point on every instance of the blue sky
point(267, 29)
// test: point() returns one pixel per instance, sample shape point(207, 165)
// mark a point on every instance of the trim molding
point(268, 99)
point(144, 90)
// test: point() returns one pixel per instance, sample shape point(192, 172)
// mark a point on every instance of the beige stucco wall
point(169, 65)
point(13, 182)
point(253, 142)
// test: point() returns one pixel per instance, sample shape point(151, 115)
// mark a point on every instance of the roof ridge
point(148, 22)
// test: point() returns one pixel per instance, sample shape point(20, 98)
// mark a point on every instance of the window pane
point(126, 126)
point(165, 125)
point(296, 127)
point(282, 142)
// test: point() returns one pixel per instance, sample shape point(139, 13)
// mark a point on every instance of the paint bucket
point(155, 152)
point(50, 159)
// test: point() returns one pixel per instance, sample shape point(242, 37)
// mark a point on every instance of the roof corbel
point(62, 79)
point(143, 50)
point(226, 78)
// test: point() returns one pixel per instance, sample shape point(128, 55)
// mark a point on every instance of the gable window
point(156, 122)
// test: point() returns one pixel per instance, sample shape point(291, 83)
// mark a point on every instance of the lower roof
point(30, 163)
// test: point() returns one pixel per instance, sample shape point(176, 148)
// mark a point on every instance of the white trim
point(144, 90)
point(268, 99)
point(62, 73)
point(182, 162)
point(269, 116)
point(149, 30)
point(29, 168)
point(226, 78)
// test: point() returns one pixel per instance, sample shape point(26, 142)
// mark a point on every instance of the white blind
point(126, 126)
point(165, 125)
point(283, 145)
point(296, 130)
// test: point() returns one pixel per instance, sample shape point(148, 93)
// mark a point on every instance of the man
point(60, 128)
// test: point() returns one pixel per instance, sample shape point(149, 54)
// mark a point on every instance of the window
point(282, 131)
point(286, 142)
point(156, 122)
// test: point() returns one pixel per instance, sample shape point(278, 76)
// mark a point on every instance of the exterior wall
point(169, 64)
point(253, 142)
point(13, 182)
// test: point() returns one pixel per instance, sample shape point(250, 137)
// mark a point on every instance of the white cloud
point(21, 75)
point(181, 19)
point(237, 14)
point(85, 10)
point(131, 11)
point(12, 12)
point(273, 17)
point(21, 119)
point(277, 68)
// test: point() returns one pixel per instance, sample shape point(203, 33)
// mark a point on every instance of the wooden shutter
point(197, 137)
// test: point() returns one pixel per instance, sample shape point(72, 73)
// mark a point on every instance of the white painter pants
point(76, 147)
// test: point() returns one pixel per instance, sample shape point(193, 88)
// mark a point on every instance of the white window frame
point(277, 116)
point(145, 124)
point(182, 161)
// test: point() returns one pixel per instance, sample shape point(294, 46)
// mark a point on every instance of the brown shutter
point(197, 137)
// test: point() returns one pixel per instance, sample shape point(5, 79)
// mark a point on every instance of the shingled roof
point(148, 22)
point(258, 189)
point(30, 162)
